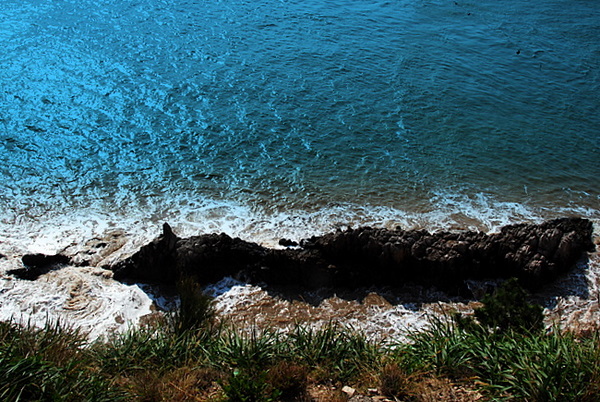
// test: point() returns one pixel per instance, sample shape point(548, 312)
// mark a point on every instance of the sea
point(269, 119)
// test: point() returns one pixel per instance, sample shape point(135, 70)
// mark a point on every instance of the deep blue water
point(265, 118)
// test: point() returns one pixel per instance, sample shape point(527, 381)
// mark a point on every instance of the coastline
point(88, 297)
point(49, 231)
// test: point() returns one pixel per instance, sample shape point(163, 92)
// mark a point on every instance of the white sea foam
point(88, 298)
point(448, 211)
point(250, 305)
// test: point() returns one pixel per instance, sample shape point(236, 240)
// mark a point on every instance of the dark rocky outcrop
point(154, 262)
point(287, 243)
point(38, 264)
point(535, 254)
point(43, 260)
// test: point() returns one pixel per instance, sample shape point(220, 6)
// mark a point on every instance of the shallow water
point(284, 118)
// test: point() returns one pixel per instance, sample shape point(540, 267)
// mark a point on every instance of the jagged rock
point(99, 251)
point(530, 252)
point(365, 256)
point(154, 262)
point(211, 257)
point(43, 260)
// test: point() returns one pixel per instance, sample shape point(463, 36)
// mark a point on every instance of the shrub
point(342, 352)
point(249, 386)
point(49, 364)
point(441, 348)
point(507, 308)
point(516, 365)
point(393, 381)
point(195, 311)
point(255, 350)
point(180, 384)
point(289, 378)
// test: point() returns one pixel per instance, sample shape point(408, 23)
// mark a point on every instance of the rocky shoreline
point(536, 254)
point(380, 281)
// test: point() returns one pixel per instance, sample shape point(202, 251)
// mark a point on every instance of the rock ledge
point(536, 254)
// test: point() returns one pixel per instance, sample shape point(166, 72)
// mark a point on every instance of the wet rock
point(154, 262)
point(37, 265)
point(211, 257)
point(287, 243)
point(99, 251)
point(30, 274)
point(365, 256)
point(43, 260)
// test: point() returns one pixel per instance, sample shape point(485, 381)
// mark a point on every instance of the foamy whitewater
point(284, 119)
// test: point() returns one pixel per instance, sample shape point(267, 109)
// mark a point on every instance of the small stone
point(349, 391)
point(373, 391)
point(288, 243)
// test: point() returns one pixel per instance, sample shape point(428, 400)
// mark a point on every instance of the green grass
point(193, 358)
point(508, 365)
point(50, 364)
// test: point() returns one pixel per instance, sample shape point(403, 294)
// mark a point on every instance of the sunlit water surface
point(268, 119)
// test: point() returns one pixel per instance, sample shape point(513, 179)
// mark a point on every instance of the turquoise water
point(270, 118)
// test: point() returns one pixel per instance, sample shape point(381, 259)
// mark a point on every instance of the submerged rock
point(536, 254)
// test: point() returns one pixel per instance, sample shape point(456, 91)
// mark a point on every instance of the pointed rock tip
point(167, 231)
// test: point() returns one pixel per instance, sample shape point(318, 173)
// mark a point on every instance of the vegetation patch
point(189, 357)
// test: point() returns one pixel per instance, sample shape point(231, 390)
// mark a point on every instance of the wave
point(55, 230)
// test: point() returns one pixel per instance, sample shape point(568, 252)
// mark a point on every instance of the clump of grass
point(195, 311)
point(49, 364)
point(517, 364)
point(256, 349)
point(342, 352)
point(249, 385)
point(289, 378)
point(440, 348)
point(180, 384)
point(393, 381)
point(187, 383)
